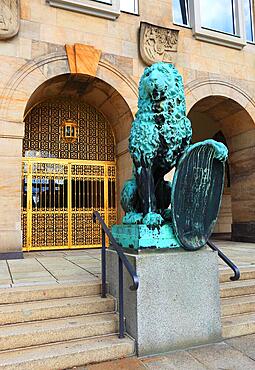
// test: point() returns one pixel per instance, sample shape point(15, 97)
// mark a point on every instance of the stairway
point(58, 326)
point(238, 303)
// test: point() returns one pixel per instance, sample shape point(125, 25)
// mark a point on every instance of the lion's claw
point(153, 219)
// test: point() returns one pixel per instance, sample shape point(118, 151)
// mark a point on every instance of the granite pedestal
point(177, 304)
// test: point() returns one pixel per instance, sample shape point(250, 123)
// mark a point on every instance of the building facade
point(69, 85)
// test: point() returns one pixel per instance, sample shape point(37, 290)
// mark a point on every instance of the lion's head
point(160, 80)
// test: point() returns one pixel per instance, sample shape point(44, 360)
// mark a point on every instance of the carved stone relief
point(9, 18)
point(158, 44)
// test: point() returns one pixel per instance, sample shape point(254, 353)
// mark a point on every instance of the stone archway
point(106, 100)
point(230, 111)
point(20, 85)
point(118, 99)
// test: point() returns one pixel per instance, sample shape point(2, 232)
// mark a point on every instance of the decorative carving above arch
point(9, 18)
point(158, 44)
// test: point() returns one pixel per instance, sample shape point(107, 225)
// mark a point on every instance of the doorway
point(69, 171)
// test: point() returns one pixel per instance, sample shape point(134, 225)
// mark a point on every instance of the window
point(218, 15)
point(181, 12)
point(109, 9)
point(226, 22)
point(129, 6)
point(249, 19)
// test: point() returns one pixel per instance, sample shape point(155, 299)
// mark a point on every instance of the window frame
point(107, 2)
point(109, 9)
point(236, 40)
point(187, 15)
point(252, 10)
point(134, 12)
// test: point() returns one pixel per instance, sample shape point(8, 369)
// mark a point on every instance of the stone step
point(51, 291)
point(54, 308)
point(57, 330)
point(235, 326)
point(246, 274)
point(238, 305)
point(67, 354)
point(237, 288)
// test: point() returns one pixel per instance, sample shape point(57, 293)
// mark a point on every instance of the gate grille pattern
point(59, 197)
point(43, 136)
point(63, 183)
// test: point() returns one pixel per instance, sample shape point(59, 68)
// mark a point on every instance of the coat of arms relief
point(158, 44)
point(9, 18)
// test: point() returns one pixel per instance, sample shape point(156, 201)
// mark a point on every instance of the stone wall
point(37, 54)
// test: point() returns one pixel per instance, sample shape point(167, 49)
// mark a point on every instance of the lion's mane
point(161, 131)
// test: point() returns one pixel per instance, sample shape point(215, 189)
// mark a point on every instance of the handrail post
point(103, 264)
point(122, 260)
point(121, 301)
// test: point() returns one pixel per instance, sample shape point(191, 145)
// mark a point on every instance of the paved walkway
point(58, 267)
point(242, 254)
point(232, 354)
point(53, 267)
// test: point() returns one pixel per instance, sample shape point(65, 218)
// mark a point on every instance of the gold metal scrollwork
point(63, 182)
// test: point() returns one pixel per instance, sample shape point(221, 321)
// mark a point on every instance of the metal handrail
point(122, 260)
point(226, 260)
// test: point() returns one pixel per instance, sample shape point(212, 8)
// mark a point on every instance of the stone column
point(11, 135)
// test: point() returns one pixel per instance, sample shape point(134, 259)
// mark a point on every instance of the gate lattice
point(59, 197)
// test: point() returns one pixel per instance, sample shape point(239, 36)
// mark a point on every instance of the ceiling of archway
point(217, 107)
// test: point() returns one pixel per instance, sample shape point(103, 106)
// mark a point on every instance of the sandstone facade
point(219, 83)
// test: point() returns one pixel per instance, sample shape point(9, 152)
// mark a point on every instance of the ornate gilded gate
point(60, 194)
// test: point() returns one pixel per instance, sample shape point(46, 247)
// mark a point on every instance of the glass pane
point(218, 15)
point(248, 20)
point(180, 11)
point(130, 6)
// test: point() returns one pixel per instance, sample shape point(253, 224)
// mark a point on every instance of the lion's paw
point(132, 218)
point(221, 151)
point(153, 219)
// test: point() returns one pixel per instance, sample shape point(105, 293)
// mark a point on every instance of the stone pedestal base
point(177, 304)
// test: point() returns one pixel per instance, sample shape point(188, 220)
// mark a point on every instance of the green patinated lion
point(160, 134)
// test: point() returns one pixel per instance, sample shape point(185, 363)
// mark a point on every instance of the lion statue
point(160, 134)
